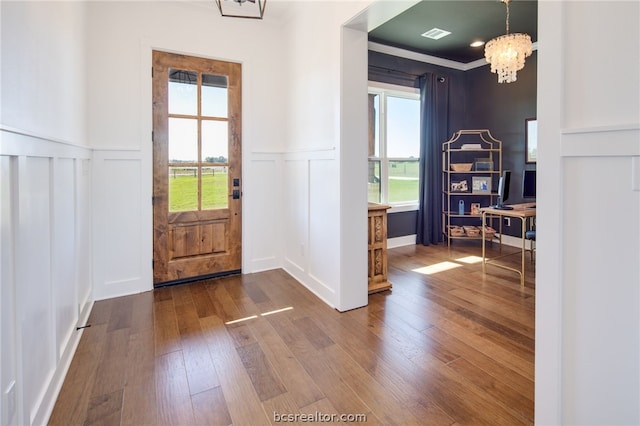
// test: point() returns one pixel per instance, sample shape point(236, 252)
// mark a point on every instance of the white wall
point(121, 38)
point(292, 130)
point(588, 273)
point(43, 73)
point(45, 199)
point(323, 248)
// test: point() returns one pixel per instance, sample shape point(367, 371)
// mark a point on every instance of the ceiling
point(466, 20)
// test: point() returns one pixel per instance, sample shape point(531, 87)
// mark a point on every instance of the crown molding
point(408, 54)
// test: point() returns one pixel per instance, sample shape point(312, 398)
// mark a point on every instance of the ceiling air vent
point(436, 33)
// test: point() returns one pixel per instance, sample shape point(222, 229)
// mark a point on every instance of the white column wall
point(588, 273)
point(353, 169)
point(316, 189)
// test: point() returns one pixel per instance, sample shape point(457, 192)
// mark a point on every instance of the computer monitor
point(503, 191)
point(529, 184)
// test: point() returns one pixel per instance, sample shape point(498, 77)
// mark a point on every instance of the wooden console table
point(378, 248)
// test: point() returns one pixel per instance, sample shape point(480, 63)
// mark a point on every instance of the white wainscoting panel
point(120, 266)
point(46, 292)
point(8, 344)
point(64, 245)
point(324, 229)
point(262, 213)
point(35, 313)
point(83, 235)
point(311, 211)
point(601, 343)
point(296, 213)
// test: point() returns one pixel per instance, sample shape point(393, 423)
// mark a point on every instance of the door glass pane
point(183, 140)
point(403, 127)
point(404, 181)
point(214, 188)
point(183, 188)
point(214, 141)
point(215, 182)
point(374, 181)
point(183, 178)
point(183, 92)
point(214, 95)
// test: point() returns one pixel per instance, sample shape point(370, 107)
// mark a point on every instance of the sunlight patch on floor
point(288, 308)
point(277, 311)
point(469, 259)
point(241, 319)
point(437, 267)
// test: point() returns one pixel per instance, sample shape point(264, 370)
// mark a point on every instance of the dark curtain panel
point(434, 130)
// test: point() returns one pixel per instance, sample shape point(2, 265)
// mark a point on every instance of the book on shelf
point(471, 146)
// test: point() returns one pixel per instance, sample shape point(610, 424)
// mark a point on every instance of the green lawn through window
point(183, 192)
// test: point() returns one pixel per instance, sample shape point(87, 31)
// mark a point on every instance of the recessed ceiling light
point(436, 33)
point(477, 43)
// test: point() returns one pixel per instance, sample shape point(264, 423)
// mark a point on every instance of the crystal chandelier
point(506, 53)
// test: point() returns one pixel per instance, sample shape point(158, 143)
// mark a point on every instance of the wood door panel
point(184, 241)
point(184, 268)
point(201, 216)
point(198, 239)
point(214, 237)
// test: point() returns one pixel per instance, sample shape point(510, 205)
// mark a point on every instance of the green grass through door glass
point(183, 191)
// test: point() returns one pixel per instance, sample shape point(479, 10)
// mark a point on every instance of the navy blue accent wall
point(477, 101)
point(401, 223)
point(503, 109)
point(405, 72)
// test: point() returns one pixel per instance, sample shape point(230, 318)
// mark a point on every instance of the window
point(394, 146)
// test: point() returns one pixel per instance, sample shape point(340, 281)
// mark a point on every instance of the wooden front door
point(196, 167)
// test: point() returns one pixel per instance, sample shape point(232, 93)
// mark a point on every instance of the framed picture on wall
point(531, 140)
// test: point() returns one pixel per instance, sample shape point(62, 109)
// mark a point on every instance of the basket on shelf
point(456, 231)
point(461, 167)
point(471, 231)
point(489, 232)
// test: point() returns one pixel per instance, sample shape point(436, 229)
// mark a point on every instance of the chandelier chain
point(506, 2)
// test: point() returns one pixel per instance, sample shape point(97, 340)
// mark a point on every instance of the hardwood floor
point(448, 345)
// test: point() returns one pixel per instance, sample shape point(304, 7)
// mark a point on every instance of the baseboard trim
point(512, 241)
point(57, 380)
point(406, 240)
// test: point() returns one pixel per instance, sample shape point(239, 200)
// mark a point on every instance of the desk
point(525, 213)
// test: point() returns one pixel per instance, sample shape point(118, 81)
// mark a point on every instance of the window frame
point(384, 90)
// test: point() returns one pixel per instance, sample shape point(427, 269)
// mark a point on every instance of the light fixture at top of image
point(507, 53)
point(253, 9)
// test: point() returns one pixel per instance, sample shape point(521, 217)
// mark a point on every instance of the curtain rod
point(415, 76)
point(390, 70)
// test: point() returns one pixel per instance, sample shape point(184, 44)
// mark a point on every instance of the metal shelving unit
point(484, 154)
